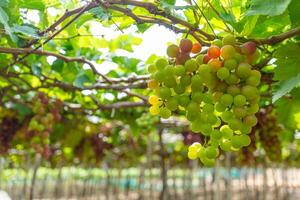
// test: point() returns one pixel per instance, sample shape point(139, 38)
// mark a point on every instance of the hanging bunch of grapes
point(47, 113)
point(269, 130)
point(217, 89)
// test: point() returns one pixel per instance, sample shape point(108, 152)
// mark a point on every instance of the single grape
point(183, 100)
point(245, 129)
point(250, 120)
point(211, 152)
point(192, 155)
point(216, 134)
point(159, 76)
point(228, 40)
point(239, 100)
point(204, 70)
point(154, 110)
point(186, 45)
point(185, 80)
point(217, 43)
point(179, 89)
point(239, 112)
point(208, 108)
point(248, 48)
point(223, 73)
point(226, 116)
point(164, 92)
point(236, 141)
point(172, 104)
point(232, 79)
point(250, 92)
point(197, 83)
point(245, 140)
point(197, 97)
point(227, 132)
point(191, 65)
point(173, 51)
point(199, 59)
point(235, 124)
point(152, 69)
point(230, 64)
point(233, 90)
point(170, 82)
point(213, 52)
point(220, 107)
point(243, 70)
point(225, 145)
point(196, 48)
point(179, 70)
point(206, 59)
point(153, 100)
point(253, 108)
point(182, 58)
point(165, 113)
point(153, 84)
point(226, 99)
point(207, 162)
point(227, 52)
point(161, 63)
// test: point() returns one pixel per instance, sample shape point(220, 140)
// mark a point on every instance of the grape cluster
point(8, 127)
point(216, 89)
point(246, 156)
point(41, 124)
point(268, 131)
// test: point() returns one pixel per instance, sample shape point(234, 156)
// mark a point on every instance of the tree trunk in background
point(164, 193)
point(33, 179)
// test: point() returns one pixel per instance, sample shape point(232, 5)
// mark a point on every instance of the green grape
point(185, 80)
point(193, 107)
point(218, 122)
point(217, 43)
point(227, 51)
point(233, 90)
point(197, 97)
point(164, 92)
point(220, 107)
point(206, 129)
point(207, 98)
point(170, 82)
point(232, 79)
point(245, 140)
point(179, 89)
point(184, 100)
point(179, 70)
point(161, 63)
point(253, 108)
point(216, 134)
point(172, 104)
point(195, 146)
point(250, 120)
point(169, 69)
point(239, 57)
point(196, 83)
point(228, 40)
point(235, 124)
point(236, 141)
point(211, 152)
point(253, 81)
point(208, 108)
point(192, 155)
point(245, 129)
point(250, 92)
point(199, 59)
point(226, 116)
point(217, 96)
point(226, 131)
point(239, 112)
point(151, 69)
point(211, 81)
point(239, 100)
point(201, 152)
point(212, 119)
point(230, 64)
point(165, 112)
point(191, 115)
point(154, 110)
point(243, 70)
point(225, 145)
point(207, 162)
point(226, 99)
point(223, 73)
point(191, 65)
point(204, 70)
point(196, 126)
point(221, 87)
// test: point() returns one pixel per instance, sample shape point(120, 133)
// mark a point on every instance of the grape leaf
point(285, 87)
point(294, 13)
point(26, 30)
point(287, 61)
point(58, 65)
point(4, 20)
point(268, 7)
point(33, 4)
point(4, 3)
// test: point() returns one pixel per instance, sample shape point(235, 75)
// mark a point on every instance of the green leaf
point(33, 4)
point(294, 13)
point(82, 79)
point(36, 70)
point(4, 3)
point(287, 61)
point(4, 21)
point(26, 30)
point(249, 25)
point(286, 87)
point(100, 13)
point(58, 65)
point(267, 7)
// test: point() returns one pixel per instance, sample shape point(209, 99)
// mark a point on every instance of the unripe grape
point(165, 113)
point(215, 64)
point(196, 83)
point(236, 142)
point(185, 80)
point(154, 110)
point(253, 108)
point(179, 70)
point(179, 89)
point(240, 58)
point(172, 104)
point(223, 73)
point(153, 84)
point(152, 69)
point(216, 134)
point(243, 70)
point(207, 162)
point(196, 48)
point(193, 107)
point(245, 129)
point(199, 59)
point(206, 129)
point(186, 45)
point(220, 107)
point(169, 70)
point(211, 152)
point(153, 100)
point(204, 70)
point(227, 52)
point(226, 99)
point(227, 132)
point(235, 124)
point(213, 52)
point(233, 90)
point(173, 51)
point(217, 96)
point(217, 43)
point(230, 64)
point(170, 82)
point(201, 152)
point(239, 100)
point(161, 63)
point(226, 116)
point(250, 92)
point(228, 40)
point(225, 145)
point(191, 116)
point(164, 92)
point(197, 97)
point(196, 126)
point(191, 65)
point(183, 100)
point(192, 155)
point(245, 140)
point(250, 120)
point(160, 76)
point(239, 112)
point(232, 79)
point(208, 108)
point(248, 48)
